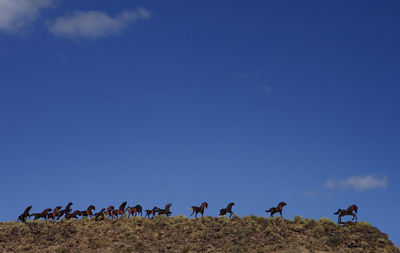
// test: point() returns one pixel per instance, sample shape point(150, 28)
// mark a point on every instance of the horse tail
point(338, 211)
point(269, 210)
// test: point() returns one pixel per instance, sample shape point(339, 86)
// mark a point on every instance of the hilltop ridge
point(181, 234)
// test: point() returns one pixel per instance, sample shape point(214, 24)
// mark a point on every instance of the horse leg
point(230, 214)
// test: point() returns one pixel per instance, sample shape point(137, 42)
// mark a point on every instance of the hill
point(181, 234)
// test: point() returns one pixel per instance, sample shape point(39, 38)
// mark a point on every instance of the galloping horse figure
point(25, 214)
point(65, 211)
point(226, 210)
point(120, 211)
point(134, 210)
point(99, 215)
point(75, 214)
point(348, 211)
point(122, 206)
point(88, 211)
point(277, 209)
point(110, 211)
point(165, 211)
point(199, 209)
point(151, 212)
point(54, 214)
point(43, 214)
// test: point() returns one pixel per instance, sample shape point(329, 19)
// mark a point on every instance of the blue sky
point(154, 102)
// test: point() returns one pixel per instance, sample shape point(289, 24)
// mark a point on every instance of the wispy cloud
point(309, 194)
point(359, 183)
point(95, 24)
point(267, 88)
point(17, 16)
point(252, 74)
point(287, 194)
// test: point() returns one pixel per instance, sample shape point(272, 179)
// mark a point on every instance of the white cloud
point(359, 183)
point(17, 15)
point(95, 24)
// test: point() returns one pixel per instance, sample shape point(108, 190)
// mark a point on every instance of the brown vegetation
point(181, 234)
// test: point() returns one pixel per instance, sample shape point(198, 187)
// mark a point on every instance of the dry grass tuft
point(181, 234)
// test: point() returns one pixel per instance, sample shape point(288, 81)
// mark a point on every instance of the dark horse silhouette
point(43, 214)
point(88, 211)
point(120, 211)
point(151, 212)
point(75, 215)
point(54, 214)
point(99, 215)
point(277, 209)
point(348, 211)
point(65, 211)
point(110, 211)
point(199, 209)
point(134, 210)
point(25, 214)
point(226, 210)
point(165, 211)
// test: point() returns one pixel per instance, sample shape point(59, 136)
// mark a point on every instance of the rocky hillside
point(181, 234)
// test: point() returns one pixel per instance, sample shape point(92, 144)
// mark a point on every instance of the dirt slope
point(180, 234)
